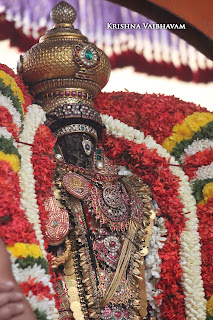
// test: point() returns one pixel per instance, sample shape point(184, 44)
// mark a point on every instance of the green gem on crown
point(88, 55)
point(82, 127)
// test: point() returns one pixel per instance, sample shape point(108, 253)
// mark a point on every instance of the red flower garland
point(14, 225)
point(37, 289)
point(164, 185)
point(205, 213)
point(148, 112)
point(6, 120)
point(192, 163)
point(43, 165)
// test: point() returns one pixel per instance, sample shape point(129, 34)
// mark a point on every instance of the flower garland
point(35, 116)
point(195, 302)
point(6, 121)
point(192, 163)
point(7, 143)
point(17, 86)
point(152, 265)
point(195, 154)
point(202, 184)
point(207, 192)
point(17, 232)
point(185, 131)
point(149, 112)
point(198, 167)
point(6, 134)
point(12, 159)
point(7, 92)
point(7, 103)
point(204, 133)
point(14, 227)
point(9, 81)
point(157, 115)
point(196, 146)
point(204, 212)
point(43, 166)
point(204, 172)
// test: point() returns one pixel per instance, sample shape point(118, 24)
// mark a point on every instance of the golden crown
point(64, 71)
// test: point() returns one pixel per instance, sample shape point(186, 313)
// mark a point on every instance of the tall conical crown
point(64, 71)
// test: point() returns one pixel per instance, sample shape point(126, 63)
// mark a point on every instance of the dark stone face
point(77, 149)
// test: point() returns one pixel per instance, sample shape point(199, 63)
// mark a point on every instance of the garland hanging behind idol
point(89, 218)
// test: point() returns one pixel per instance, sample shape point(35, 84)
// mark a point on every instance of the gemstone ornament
point(57, 226)
point(108, 250)
point(86, 55)
point(115, 313)
point(87, 145)
point(72, 128)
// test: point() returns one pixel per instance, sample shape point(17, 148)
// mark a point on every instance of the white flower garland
point(152, 265)
point(30, 273)
point(41, 305)
point(7, 103)
point(190, 249)
point(38, 274)
point(7, 135)
point(34, 117)
point(196, 146)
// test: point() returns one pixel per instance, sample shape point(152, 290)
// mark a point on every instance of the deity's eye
point(87, 145)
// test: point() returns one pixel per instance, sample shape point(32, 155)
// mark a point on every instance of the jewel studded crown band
point(72, 128)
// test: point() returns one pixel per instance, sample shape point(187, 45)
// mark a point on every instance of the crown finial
point(63, 12)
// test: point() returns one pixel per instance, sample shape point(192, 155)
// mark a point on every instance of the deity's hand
point(13, 304)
